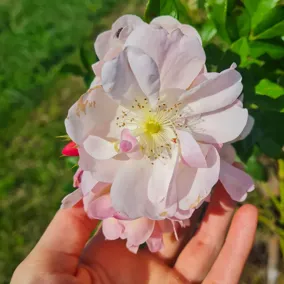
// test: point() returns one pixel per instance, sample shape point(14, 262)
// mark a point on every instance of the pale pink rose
point(153, 129)
point(136, 232)
point(97, 204)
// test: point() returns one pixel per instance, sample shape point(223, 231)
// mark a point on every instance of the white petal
point(129, 189)
point(91, 114)
point(215, 93)
point(236, 182)
point(71, 199)
point(106, 170)
point(145, 71)
point(99, 148)
point(166, 22)
point(88, 182)
point(102, 44)
point(194, 185)
point(161, 177)
point(175, 54)
point(119, 81)
point(221, 126)
point(124, 25)
point(248, 128)
point(190, 150)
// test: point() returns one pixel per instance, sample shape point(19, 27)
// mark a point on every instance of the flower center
point(152, 126)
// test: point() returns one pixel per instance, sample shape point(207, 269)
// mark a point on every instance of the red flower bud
point(70, 149)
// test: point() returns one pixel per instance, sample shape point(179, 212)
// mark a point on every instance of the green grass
point(39, 39)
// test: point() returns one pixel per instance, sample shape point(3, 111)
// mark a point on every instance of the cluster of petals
point(154, 131)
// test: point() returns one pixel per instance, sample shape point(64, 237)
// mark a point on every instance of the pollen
point(152, 127)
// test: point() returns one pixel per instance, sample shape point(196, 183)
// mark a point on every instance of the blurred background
point(46, 52)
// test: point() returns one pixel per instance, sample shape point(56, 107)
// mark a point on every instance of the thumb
point(60, 247)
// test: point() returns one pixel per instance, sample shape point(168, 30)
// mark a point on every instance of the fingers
point(231, 260)
point(200, 253)
point(60, 246)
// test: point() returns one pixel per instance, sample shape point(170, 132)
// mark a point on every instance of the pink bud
point(70, 149)
point(125, 146)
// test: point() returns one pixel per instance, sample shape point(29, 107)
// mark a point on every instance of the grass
point(40, 40)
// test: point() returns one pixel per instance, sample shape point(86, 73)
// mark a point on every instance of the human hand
point(211, 256)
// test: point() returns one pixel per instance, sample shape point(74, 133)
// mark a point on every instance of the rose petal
point(112, 228)
point(89, 116)
point(102, 44)
point(99, 148)
point(236, 182)
point(215, 93)
point(194, 185)
point(171, 53)
point(190, 150)
point(221, 126)
point(71, 199)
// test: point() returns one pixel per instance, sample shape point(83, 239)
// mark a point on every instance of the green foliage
point(251, 34)
point(174, 8)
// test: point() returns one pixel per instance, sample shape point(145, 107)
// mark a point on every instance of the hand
point(211, 256)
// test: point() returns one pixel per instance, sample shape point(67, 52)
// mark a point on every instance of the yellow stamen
point(152, 126)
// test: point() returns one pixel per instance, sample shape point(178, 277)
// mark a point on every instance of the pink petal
point(166, 22)
point(141, 77)
point(89, 116)
point(221, 126)
point(137, 231)
point(112, 229)
point(161, 177)
point(129, 189)
point(102, 44)
point(194, 185)
point(171, 53)
point(101, 208)
point(228, 153)
point(214, 93)
point(88, 182)
point(236, 182)
point(71, 199)
point(99, 148)
point(155, 242)
point(77, 178)
point(124, 25)
point(190, 150)
point(248, 128)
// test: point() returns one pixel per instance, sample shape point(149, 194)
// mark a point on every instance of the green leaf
point(72, 69)
point(254, 168)
point(241, 47)
point(269, 147)
point(174, 8)
point(258, 48)
point(207, 31)
point(258, 9)
point(267, 88)
point(273, 17)
point(217, 11)
point(276, 30)
point(243, 23)
point(152, 10)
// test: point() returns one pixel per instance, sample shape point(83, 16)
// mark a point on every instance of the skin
point(214, 253)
